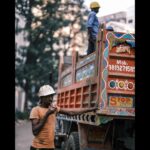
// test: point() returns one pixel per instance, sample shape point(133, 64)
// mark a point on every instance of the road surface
point(23, 135)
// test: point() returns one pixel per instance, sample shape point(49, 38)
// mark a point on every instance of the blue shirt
point(93, 23)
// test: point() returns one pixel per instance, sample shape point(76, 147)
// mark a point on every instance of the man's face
point(96, 10)
point(47, 100)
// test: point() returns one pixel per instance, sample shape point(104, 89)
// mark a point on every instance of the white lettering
point(118, 62)
point(122, 49)
point(124, 67)
point(127, 68)
point(121, 62)
point(121, 68)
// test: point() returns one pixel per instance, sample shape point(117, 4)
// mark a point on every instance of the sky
point(111, 6)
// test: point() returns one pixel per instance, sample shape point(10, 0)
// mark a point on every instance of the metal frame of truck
point(104, 78)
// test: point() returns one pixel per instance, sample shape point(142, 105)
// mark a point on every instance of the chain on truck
point(105, 78)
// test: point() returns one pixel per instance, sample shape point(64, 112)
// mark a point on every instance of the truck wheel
point(73, 142)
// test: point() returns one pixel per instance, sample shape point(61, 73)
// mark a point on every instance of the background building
point(19, 99)
point(119, 17)
point(123, 21)
point(130, 15)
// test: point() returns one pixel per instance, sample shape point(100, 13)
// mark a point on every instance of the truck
point(103, 79)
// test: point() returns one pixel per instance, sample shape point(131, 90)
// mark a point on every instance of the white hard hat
point(46, 90)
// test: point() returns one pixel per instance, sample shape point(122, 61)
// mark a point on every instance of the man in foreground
point(43, 118)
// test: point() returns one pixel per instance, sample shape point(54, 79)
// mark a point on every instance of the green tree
point(37, 62)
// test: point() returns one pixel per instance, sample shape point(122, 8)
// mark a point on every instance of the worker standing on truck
point(93, 27)
point(43, 118)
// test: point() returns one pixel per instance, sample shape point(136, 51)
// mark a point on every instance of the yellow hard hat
point(94, 5)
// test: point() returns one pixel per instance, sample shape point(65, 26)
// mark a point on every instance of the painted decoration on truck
point(121, 111)
point(88, 59)
point(122, 48)
point(121, 84)
point(118, 66)
point(120, 101)
point(67, 80)
point(85, 72)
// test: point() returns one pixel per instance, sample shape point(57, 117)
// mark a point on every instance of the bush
point(21, 115)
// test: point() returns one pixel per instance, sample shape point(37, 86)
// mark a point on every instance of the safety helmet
point(94, 5)
point(45, 90)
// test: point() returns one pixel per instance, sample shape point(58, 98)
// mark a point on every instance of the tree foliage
point(37, 63)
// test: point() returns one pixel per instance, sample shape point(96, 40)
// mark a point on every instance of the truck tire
point(73, 142)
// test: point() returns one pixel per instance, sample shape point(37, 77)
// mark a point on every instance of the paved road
point(23, 135)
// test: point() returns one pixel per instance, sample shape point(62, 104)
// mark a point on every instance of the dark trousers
point(91, 46)
point(32, 148)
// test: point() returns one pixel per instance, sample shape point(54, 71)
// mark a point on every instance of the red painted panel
point(123, 50)
point(125, 66)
